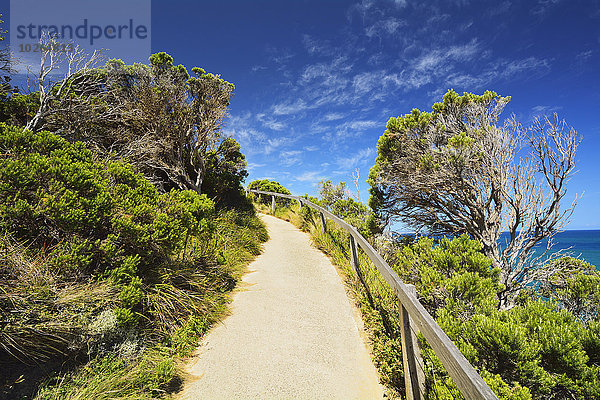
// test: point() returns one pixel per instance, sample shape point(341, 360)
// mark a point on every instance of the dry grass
point(66, 324)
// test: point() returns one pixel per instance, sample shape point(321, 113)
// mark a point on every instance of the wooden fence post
point(323, 222)
point(353, 254)
point(414, 376)
point(273, 204)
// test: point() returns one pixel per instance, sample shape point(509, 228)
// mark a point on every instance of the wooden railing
point(413, 318)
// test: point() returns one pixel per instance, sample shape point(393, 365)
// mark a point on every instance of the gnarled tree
point(160, 118)
point(454, 170)
point(170, 122)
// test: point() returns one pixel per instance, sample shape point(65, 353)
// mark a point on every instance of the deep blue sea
point(583, 244)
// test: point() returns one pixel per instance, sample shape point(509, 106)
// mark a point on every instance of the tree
point(170, 122)
point(331, 194)
point(266, 185)
point(454, 170)
point(160, 118)
point(338, 199)
point(225, 172)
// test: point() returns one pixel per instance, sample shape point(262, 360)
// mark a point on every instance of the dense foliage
point(338, 200)
point(16, 108)
point(103, 262)
point(540, 347)
point(266, 185)
point(162, 119)
point(225, 172)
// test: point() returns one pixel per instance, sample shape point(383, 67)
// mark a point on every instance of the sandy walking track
point(293, 333)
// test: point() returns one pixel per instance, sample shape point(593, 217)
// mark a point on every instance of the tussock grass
point(63, 335)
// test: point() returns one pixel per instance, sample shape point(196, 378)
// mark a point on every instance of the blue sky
point(316, 81)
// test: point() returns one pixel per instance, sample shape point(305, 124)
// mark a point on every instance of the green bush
point(540, 349)
point(100, 219)
point(452, 273)
point(266, 185)
point(96, 264)
point(225, 172)
point(17, 108)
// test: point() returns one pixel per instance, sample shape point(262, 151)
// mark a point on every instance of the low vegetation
point(102, 276)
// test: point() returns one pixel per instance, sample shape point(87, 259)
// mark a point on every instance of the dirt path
point(293, 333)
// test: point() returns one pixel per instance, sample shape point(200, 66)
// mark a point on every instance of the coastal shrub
point(538, 349)
point(266, 185)
point(574, 285)
point(452, 273)
point(100, 219)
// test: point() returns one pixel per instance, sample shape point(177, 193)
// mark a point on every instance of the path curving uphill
point(292, 334)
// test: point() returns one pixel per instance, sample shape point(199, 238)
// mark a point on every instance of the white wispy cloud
point(465, 52)
point(256, 68)
point(494, 71)
point(310, 176)
point(542, 110)
point(288, 108)
point(439, 61)
point(387, 27)
point(290, 157)
point(273, 144)
point(252, 166)
point(545, 109)
point(333, 116)
point(246, 136)
point(361, 157)
point(316, 46)
point(270, 123)
point(360, 125)
point(584, 56)
point(239, 120)
point(543, 6)
point(365, 82)
point(527, 64)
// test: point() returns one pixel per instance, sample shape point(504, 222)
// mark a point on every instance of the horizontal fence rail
point(469, 382)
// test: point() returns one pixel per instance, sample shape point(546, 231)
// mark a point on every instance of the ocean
point(582, 244)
